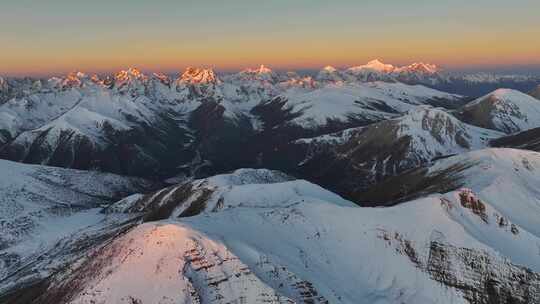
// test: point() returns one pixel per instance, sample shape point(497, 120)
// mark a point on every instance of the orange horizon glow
point(101, 37)
point(171, 63)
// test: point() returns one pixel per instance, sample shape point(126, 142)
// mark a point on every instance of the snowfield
point(263, 238)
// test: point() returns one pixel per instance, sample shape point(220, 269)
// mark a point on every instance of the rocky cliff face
point(482, 278)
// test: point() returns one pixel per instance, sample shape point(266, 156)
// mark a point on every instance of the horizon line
point(518, 68)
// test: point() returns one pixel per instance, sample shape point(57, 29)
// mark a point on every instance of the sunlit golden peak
point(262, 69)
point(420, 67)
point(329, 69)
point(375, 65)
point(198, 75)
point(73, 79)
point(131, 73)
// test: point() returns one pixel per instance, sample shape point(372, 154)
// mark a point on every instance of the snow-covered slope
point(33, 111)
point(336, 106)
point(505, 110)
point(40, 206)
point(507, 179)
point(500, 175)
point(314, 247)
point(352, 160)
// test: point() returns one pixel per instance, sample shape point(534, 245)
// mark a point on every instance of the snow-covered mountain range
point(429, 75)
point(368, 184)
point(138, 125)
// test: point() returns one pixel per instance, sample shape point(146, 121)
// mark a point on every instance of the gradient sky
point(57, 36)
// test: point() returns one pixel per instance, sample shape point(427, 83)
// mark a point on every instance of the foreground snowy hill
point(256, 236)
point(504, 110)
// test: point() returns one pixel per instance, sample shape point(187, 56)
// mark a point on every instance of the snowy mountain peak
point(376, 70)
point(71, 80)
point(329, 69)
point(129, 75)
point(375, 65)
point(378, 65)
point(260, 74)
point(420, 67)
point(503, 95)
point(329, 74)
point(505, 110)
point(131, 80)
point(263, 70)
point(198, 76)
